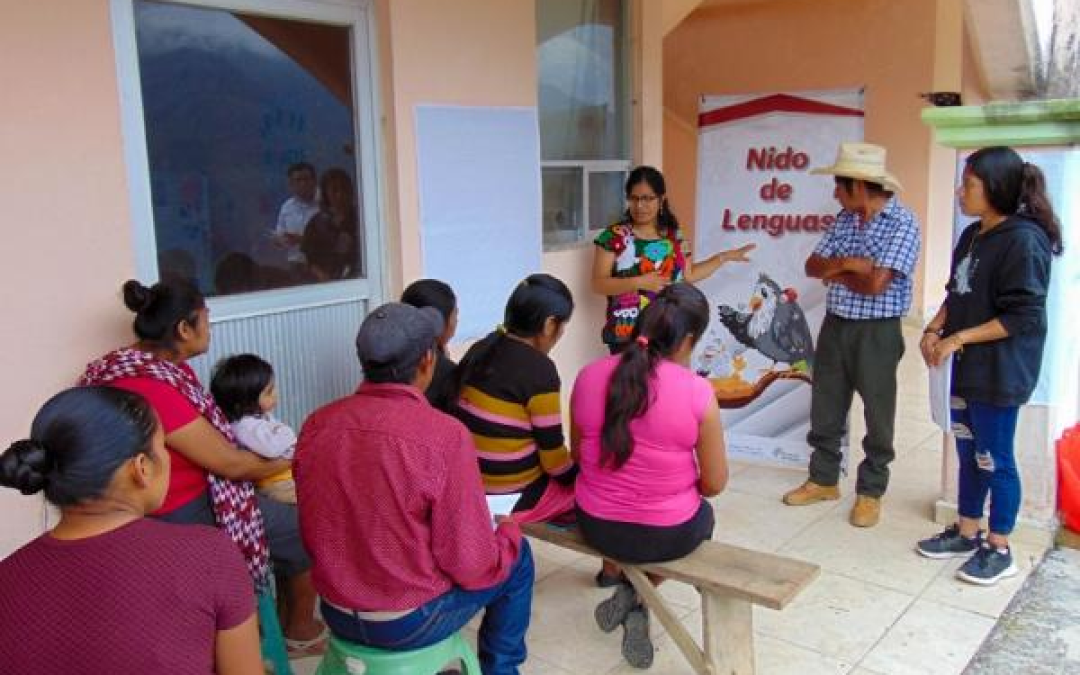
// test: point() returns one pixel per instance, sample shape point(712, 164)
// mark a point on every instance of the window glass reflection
point(250, 144)
point(582, 97)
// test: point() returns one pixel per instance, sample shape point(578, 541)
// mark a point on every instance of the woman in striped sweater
point(508, 394)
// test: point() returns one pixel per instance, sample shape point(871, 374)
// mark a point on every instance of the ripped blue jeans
point(984, 442)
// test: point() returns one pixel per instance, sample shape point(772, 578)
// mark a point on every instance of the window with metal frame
point(219, 99)
point(251, 143)
point(585, 115)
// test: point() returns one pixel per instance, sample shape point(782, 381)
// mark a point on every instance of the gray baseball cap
point(394, 337)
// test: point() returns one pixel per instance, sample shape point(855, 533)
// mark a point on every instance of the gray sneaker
point(949, 544)
point(637, 646)
point(988, 566)
point(612, 612)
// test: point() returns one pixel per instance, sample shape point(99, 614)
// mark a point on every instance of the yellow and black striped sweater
point(512, 408)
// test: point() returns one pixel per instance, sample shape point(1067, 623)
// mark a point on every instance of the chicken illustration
point(774, 326)
point(737, 323)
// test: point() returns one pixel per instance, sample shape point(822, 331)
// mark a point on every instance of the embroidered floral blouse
point(635, 257)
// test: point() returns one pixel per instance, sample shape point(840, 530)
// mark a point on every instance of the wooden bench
point(730, 581)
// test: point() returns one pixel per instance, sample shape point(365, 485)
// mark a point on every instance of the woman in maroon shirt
point(107, 590)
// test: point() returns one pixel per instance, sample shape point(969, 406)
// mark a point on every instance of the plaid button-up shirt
point(892, 240)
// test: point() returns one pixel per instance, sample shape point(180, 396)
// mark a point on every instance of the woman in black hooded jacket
point(993, 323)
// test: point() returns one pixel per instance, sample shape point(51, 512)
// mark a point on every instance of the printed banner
point(753, 186)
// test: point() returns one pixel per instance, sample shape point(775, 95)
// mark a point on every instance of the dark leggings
point(637, 544)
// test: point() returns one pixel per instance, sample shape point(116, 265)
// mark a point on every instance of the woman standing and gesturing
point(638, 256)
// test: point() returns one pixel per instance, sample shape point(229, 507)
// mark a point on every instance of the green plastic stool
point(348, 658)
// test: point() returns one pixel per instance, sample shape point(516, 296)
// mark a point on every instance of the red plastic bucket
point(1068, 452)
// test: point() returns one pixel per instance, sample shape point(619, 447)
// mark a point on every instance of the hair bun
point(25, 467)
point(136, 296)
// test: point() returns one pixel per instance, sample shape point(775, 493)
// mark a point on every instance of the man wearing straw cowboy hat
point(867, 260)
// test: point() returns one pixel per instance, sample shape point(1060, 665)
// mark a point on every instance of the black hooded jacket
point(1003, 274)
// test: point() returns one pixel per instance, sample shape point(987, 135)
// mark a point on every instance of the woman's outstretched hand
point(738, 254)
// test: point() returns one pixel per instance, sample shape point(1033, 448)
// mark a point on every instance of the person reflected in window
point(235, 273)
point(330, 241)
point(297, 210)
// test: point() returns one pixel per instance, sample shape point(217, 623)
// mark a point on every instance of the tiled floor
point(877, 609)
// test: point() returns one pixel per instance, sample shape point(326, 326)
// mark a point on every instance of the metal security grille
point(312, 351)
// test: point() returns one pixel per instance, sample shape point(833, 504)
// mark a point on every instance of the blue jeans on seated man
point(508, 606)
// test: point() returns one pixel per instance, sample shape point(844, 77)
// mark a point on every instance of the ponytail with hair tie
point(534, 300)
point(1014, 186)
point(678, 312)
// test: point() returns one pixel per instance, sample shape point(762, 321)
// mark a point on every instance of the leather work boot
point(811, 493)
point(866, 512)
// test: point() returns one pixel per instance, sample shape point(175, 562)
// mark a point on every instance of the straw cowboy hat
point(861, 161)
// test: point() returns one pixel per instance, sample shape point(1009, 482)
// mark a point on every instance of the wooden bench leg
point(728, 627)
point(655, 602)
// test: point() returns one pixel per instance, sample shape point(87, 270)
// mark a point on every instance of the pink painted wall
point(67, 234)
point(792, 45)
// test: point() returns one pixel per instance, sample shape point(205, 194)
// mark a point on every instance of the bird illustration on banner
point(775, 326)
